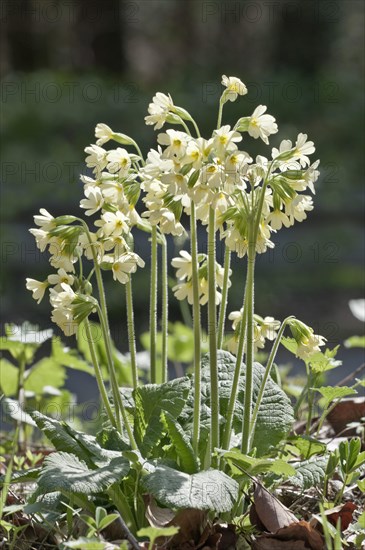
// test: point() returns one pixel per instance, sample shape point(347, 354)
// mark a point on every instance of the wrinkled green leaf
point(8, 377)
point(84, 543)
point(275, 416)
point(153, 533)
point(330, 393)
point(308, 446)
point(309, 473)
point(207, 490)
point(14, 410)
point(66, 473)
point(181, 443)
point(355, 342)
point(150, 401)
point(45, 372)
point(69, 358)
point(255, 466)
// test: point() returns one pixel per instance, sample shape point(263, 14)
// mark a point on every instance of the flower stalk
point(131, 331)
point(196, 328)
point(212, 332)
point(165, 310)
point(223, 305)
point(153, 306)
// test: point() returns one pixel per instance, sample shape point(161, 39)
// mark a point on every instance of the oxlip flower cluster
point(184, 274)
point(265, 328)
point(185, 174)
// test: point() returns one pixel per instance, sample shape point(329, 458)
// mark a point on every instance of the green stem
point(196, 328)
point(212, 332)
point(98, 375)
point(153, 306)
point(223, 306)
point(131, 331)
point(220, 113)
point(310, 402)
point(118, 402)
point(269, 365)
point(196, 128)
point(165, 311)
point(236, 377)
point(21, 400)
point(246, 425)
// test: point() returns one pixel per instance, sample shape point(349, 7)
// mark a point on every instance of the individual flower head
point(104, 133)
point(126, 264)
point(175, 142)
point(97, 158)
point(183, 265)
point(112, 224)
point(119, 161)
point(38, 288)
point(234, 88)
point(308, 343)
point(44, 220)
point(261, 125)
point(62, 314)
point(61, 277)
point(158, 110)
point(302, 149)
point(42, 238)
point(225, 139)
point(93, 202)
point(297, 209)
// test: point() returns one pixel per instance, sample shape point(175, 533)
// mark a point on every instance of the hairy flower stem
point(246, 425)
point(98, 375)
point(118, 402)
point(153, 306)
point(103, 316)
point(236, 377)
point(21, 442)
point(212, 332)
point(268, 368)
point(220, 113)
point(131, 331)
point(223, 306)
point(196, 328)
point(165, 310)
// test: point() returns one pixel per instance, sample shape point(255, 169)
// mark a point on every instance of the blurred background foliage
point(68, 64)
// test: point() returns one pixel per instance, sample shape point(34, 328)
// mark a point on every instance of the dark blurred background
point(68, 64)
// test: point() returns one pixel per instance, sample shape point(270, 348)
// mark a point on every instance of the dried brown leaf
point(297, 536)
point(271, 512)
point(351, 409)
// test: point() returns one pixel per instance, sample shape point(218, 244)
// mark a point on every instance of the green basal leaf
point(150, 401)
point(255, 466)
point(8, 378)
point(330, 393)
point(309, 473)
point(14, 410)
point(308, 446)
point(275, 416)
point(355, 342)
point(84, 543)
point(153, 533)
point(65, 438)
point(66, 473)
point(22, 476)
point(44, 372)
point(324, 361)
point(69, 358)
point(207, 490)
point(181, 443)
